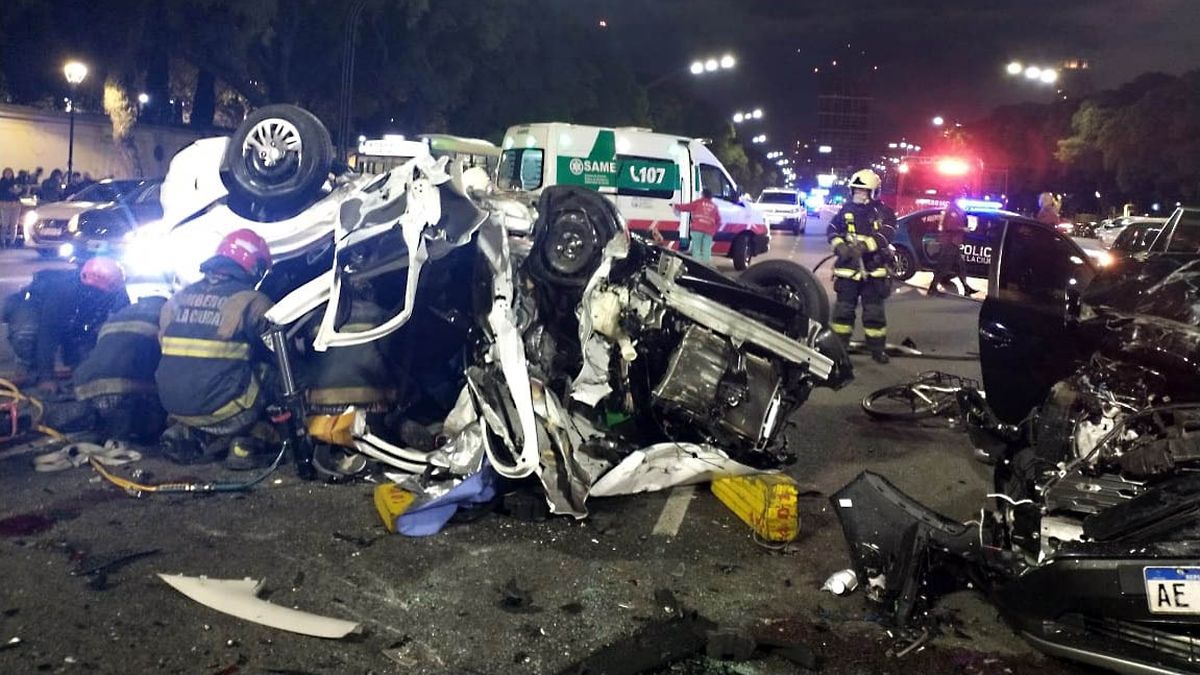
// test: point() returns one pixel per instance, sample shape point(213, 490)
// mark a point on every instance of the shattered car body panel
point(1094, 533)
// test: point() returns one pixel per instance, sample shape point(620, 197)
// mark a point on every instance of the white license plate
point(771, 220)
point(1172, 590)
point(50, 231)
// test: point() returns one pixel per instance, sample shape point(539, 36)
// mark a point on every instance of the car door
point(1026, 342)
point(733, 214)
point(977, 247)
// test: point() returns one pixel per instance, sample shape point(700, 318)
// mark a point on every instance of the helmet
point(102, 273)
point(865, 179)
point(248, 250)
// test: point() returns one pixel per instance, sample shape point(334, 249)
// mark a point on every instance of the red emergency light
point(953, 166)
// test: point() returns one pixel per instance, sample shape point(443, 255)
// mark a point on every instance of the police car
point(916, 241)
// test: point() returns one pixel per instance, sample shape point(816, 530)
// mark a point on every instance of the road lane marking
point(673, 511)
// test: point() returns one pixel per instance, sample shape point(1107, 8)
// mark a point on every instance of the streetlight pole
point(75, 72)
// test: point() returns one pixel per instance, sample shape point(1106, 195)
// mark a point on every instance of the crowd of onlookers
point(15, 186)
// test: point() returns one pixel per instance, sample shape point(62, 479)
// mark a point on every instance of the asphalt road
point(438, 604)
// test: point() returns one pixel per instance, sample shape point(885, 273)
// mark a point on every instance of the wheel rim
point(901, 264)
point(273, 148)
point(571, 245)
point(898, 402)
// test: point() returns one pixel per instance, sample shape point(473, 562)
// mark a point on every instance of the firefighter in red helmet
point(211, 376)
point(59, 315)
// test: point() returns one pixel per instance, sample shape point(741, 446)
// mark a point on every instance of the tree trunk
point(204, 103)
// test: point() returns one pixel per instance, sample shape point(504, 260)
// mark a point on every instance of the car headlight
point(30, 219)
point(73, 224)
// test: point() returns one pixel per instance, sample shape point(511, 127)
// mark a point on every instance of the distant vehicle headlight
point(30, 219)
point(66, 250)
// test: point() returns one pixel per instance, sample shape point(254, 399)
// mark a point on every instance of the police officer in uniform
point(118, 376)
point(210, 378)
point(859, 235)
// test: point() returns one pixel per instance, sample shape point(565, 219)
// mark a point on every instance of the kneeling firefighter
point(117, 377)
point(214, 362)
point(359, 375)
point(58, 316)
point(858, 235)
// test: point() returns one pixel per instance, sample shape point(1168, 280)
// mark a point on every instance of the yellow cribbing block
point(767, 503)
point(390, 502)
point(333, 429)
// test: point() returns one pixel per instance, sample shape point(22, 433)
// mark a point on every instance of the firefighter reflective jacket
point(126, 353)
point(355, 376)
point(211, 336)
point(863, 227)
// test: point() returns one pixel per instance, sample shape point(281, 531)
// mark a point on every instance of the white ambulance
point(643, 172)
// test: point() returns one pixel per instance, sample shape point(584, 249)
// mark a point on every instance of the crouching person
point(358, 376)
point(117, 377)
point(212, 378)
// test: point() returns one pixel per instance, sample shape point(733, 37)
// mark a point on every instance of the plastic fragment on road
point(667, 465)
point(390, 501)
point(239, 598)
point(767, 503)
point(842, 582)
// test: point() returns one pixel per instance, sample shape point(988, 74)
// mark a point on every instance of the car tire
point(573, 228)
point(796, 278)
point(276, 163)
point(799, 226)
point(906, 265)
point(740, 252)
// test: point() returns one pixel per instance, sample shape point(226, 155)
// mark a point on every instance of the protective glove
point(842, 250)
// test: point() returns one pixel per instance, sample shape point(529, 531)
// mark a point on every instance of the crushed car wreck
point(553, 356)
point(1092, 548)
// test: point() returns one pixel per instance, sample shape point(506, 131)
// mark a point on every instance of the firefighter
point(59, 314)
point(117, 377)
point(214, 361)
point(859, 236)
point(358, 375)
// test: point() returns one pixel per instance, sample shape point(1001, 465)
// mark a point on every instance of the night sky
point(933, 56)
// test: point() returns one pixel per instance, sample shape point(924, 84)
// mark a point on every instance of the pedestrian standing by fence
point(10, 208)
point(706, 221)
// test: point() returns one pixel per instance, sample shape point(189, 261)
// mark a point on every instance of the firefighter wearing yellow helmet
point(860, 237)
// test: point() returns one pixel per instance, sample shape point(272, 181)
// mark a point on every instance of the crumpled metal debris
point(666, 465)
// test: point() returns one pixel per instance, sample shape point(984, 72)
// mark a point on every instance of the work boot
point(179, 445)
point(880, 356)
point(246, 454)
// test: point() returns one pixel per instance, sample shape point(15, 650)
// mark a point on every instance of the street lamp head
point(938, 121)
point(728, 61)
point(143, 98)
point(711, 65)
point(738, 118)
point(757, 114)
point(1049, 76)
point(1033, 72)
point(1015, 68)
point(75, 72)
point(697, 67)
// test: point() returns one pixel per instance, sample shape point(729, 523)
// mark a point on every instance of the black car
point(95, 219)
point(1135, 238)
point(1091, 547)
point(916, 240)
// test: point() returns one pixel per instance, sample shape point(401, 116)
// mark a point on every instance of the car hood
point(1160, 287)
point(65, 210)
point(767, 207)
